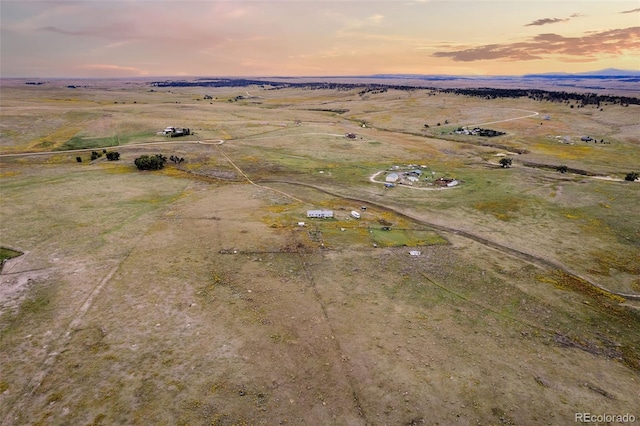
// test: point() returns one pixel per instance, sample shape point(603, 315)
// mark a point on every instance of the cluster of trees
point(155, 162)
point(506, 162)
point(373, 90)
point(544, 95)
point(111, 155)
point(478, 131)
point(150, 162)
point(490, 133)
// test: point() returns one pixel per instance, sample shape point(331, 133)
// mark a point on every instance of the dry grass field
point(191, 296)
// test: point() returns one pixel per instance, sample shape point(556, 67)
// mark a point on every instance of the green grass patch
point(503, 209)
point(350, 237)
point(338, 236)
point(6, 253)
point(81, 142)
point(405, 238)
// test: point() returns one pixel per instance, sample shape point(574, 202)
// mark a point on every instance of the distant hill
point(612, 73)
point(608, 72)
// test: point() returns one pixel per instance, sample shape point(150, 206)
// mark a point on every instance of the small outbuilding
point(392, 177)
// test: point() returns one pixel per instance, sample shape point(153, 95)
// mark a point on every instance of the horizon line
point(608, 72)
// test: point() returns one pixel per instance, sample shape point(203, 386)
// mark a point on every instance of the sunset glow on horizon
point(100, 39)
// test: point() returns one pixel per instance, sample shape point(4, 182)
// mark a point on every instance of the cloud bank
point(542, 46)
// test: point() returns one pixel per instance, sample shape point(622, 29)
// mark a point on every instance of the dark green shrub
point(506, 162)
point(150, 162)
point(113, 155)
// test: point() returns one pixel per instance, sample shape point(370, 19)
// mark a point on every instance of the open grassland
point(192, 296)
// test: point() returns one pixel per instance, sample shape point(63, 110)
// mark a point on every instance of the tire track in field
point(531, 114)
point(24, 397)
point(337, 347)
point(255, 184)
point(58, 347)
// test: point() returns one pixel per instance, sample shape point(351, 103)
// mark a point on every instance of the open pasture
point(190, 295)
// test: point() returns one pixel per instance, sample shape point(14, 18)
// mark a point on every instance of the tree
point(506, 162)
point(633, 176)
point(113, 155)
point(95, 155)
point(79, 159)
point(563, 169)
point(150, 162)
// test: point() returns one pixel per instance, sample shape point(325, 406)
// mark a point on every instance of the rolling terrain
point(193, 295)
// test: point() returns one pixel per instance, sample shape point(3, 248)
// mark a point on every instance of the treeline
point(545, 95)
point(483, 92)
point(223, 82)
point(274, 85)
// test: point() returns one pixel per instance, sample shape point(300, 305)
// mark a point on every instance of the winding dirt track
point(535, 259)
point(541, 261)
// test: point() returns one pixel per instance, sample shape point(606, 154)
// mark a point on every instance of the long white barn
point(323, 214)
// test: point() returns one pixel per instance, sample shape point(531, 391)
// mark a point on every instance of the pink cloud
point(593, 45)
point(546, 21)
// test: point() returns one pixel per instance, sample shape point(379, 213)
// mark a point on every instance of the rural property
point(343, 252)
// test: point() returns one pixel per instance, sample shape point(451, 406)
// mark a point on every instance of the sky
point(146, 38)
